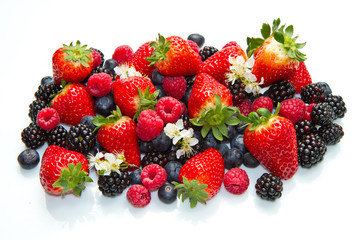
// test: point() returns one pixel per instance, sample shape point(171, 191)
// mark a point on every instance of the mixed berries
point(181, 119)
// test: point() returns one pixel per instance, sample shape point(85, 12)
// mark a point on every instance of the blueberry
point(97, 148)
point(327, 88)
point(105, 105)
point(167, 193)
point(157, 78)
point(197, 38)
point(223, 148)
point(162, 92)
point(231, 131)
point(233, 158)
point(145, 146)
point(240, 128)
point(186, 96)
point(238, 142)
point(162, 143)
point(209, 141)
point(28, 158)
point(110, 64)
point(172, 169)
point(47, 80)
point(250, 161)
point(87, 120)
point(135, 177)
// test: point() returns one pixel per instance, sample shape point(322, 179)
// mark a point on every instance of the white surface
point(320, 202)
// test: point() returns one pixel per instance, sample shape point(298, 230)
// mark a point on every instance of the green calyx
point(161, 47)
point(100, 121)
point(77, 53)
point(192, 191)
point(72, 178)
point(216, 120)
point(147, 101)
point(259, 118)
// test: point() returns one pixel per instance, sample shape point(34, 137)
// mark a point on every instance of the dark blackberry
point(101, 54)
point(159, 158)
point(269, 187)
point(186, 121)
point(331, 134)
point(33, 136)
point(47, 92)
point(311, 150)
point(34, 108)
point(190, 81)
point(114, 184)
point(80, 138)
point(57, 136)
point(101, 69)
point(281, 91)
point(337, 103)
point(207, 52)
point(237, 91)
point(304, 127)
point(313, 93)
point(322, 114)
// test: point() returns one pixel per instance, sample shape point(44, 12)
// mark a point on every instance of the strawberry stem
point(77, 53)
point(161, 47)
point(192, 190)
point(100, 121)
point(147, 101)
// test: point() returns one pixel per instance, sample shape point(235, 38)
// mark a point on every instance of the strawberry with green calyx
point(271, 139)
point(192, 191)
point(139, 60)
point(72, 63)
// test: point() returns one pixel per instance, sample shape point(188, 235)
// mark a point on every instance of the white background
point(320, 202)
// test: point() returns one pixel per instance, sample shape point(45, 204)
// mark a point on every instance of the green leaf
point(279, 37)
point(300, 45)
point(232, 121)
point(217, 134)
point(264, 112)
point(205, 130)
point(223, 129)
point(289, 31)
point(218, 104)
point(265, 30)
point(244, 119)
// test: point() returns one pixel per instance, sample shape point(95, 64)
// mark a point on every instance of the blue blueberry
point(135, 177)
point(162, 92)
point(231, 131)
point(87, 120)
point(233, 158)
point(145, 146)
point(47, 80)
point(162, 143)
point(197, 38)
point(240, 128)
point(250, 161)
point(105, 105)
point(209, 141)
point(157, 78)
point(28, 158)
point(223, 148)
point(167, 193)
point(187, 94)
point(327, 88)
point(110, 64)
point(238, 142)
point(172, 169)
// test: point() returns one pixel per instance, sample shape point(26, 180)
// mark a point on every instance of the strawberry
point(139, 60)
point(201, 177)
point(174, 57)
point(63, 171)
point(271, 139)
point(72, 63)
point(210, 106)
point(134, 94)
point(218, 64)
point(72, 103)
point(300, 78)
point(116, 134)
point(277, 57)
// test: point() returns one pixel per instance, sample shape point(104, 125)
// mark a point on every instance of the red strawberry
point(72, 63)
point(300, 78)
point(63, 171)
point(134, 94)
point(73, 103)
point(271, 139)
point(140, 62)
point(218, 64)
point(174, 57)
point(201, 176)
point(116, 134)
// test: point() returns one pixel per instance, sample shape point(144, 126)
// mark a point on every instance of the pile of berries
point(179, 118)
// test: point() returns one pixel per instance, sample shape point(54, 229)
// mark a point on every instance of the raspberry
point(193, 46)
point(230, 44)
point(48, 118)
point(236, 181)
point(149, 125)
point(174, 86)
point(138, 195)
point(99, 84)
point(153, 176)
point(262, 102)
point(244, 107)
point(97, 60)
point(169, 109)
point(308, 110)
point(123, 54)
point(292, 109)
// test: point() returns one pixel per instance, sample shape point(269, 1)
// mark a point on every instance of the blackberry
point(80, 138)
point(46, 92)
point(269, 187)
point(57, 136)
point(101, 55)
point(331, 134)
point(313, 93)
point(207, 52)
point(186, 121)
point(304, 127)
point(237, 91)
point(322, 114)
point(311, 150)
point(337, 103)
point(281, 91)
point(33, 136)
point(114, 184)
point(190, 81)
point(101, 69)
point(159, 158)
point(35, 107)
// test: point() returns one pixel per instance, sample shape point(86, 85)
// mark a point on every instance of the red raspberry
point(300, 78)
point(138, 195)
point(153, 176)
point(236, 181)
point(99, 84)
point(193, 46)
point(169, 109)
point(174, 86)
point(244, 107)
point(262, 102)
point(123, 54)
point(308, 109)
point(149, 125)
point(96, 58)
point(232, 43)
point(292, 109)
point(48, 118)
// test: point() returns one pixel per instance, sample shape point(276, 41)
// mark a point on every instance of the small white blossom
point(173, 131)
point(124, 71)
point(186, 144)
point(104, 164)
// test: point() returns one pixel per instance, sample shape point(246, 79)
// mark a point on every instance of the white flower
point(186, 144)
point(96, 160)
point(173, 131)
point(124, 71)
point(106, 163)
